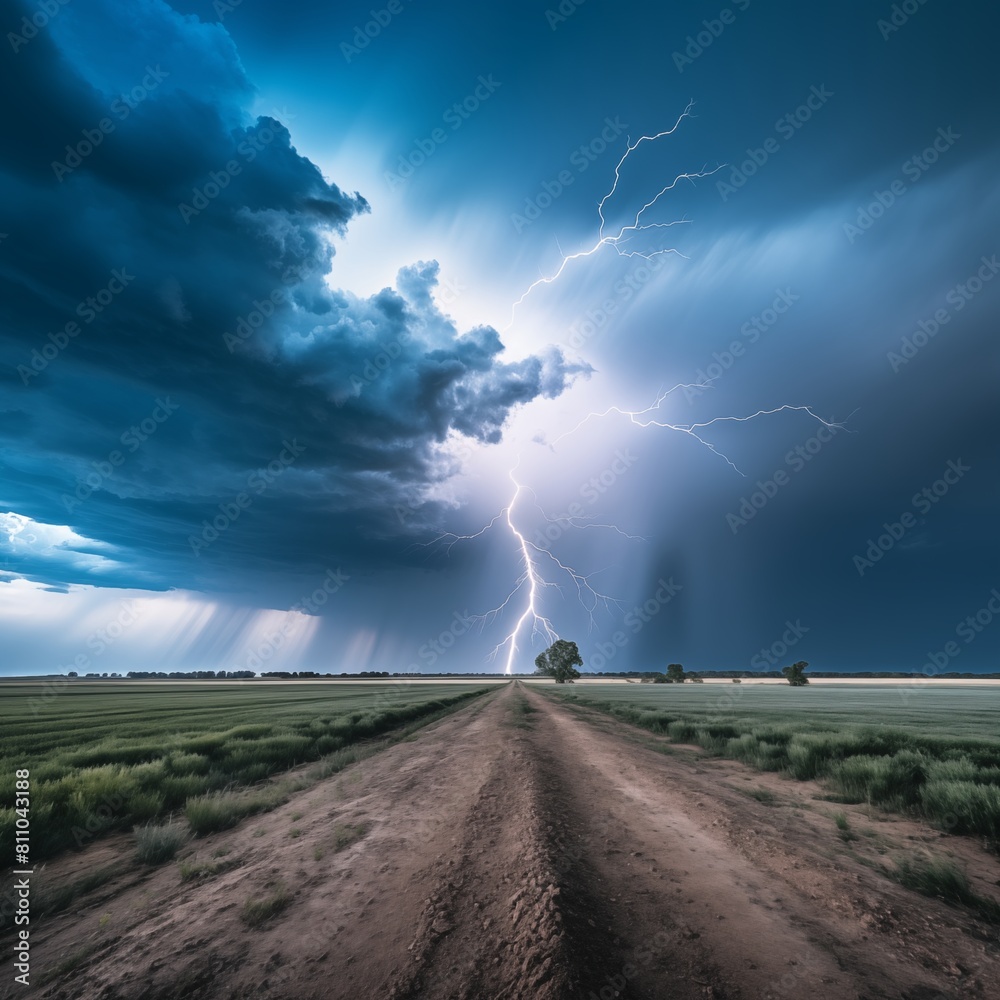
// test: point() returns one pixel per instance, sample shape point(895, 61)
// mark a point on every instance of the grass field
point(109, 756)
point(932, 750)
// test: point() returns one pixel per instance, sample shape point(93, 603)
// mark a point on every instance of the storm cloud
point(176, 367)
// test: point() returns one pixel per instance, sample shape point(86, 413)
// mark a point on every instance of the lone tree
point(675, 674)
point(795, 674)
point(559, 662)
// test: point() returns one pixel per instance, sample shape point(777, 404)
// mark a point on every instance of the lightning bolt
point(532, 557)
point(532, 579)
point(643, 418)
point(619, 240)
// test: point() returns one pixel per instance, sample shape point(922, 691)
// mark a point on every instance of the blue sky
point(259, 345)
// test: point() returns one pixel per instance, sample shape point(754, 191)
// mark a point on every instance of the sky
point(342, 337)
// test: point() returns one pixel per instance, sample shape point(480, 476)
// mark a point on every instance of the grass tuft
point(155, 845)
point(764, 795)
point(256, 912)
point(943, 879)
point(205, 869)
point(345, 834)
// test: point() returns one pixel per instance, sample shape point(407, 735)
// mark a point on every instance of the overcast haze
point(258, 347)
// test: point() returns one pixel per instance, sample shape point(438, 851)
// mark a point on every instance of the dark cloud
point(174, 363)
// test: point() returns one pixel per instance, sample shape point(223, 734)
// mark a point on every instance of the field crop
point(933, 751)
point(109, 756)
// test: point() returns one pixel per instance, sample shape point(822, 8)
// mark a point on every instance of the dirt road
point(524, 849)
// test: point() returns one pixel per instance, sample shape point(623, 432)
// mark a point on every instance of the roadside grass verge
point(116, 783)
point(943, 879)
point(954, 782)
point(223, 810)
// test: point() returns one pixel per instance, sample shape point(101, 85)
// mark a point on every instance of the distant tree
point(675, 674)
point(559, 662)
point(796, 674)
point(72, 673)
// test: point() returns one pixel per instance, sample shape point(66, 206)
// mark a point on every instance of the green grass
point(844, 830)
point(50, 898)
point(190, 870)
point(345, 834)
point(156, 844)
point(520, 712)
point(762, 795)
point(110, 756)
point(928, 751)
point(944, 880)
point(68, 964)
point(257, 912)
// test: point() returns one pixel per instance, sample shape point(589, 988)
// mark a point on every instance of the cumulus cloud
point(169, 343)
